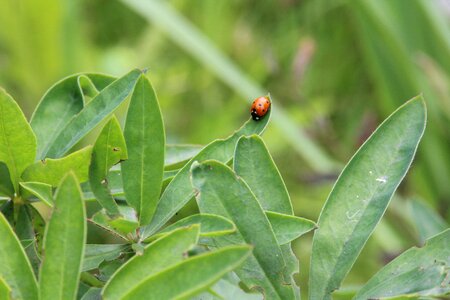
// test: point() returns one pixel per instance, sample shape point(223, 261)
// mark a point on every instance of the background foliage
point(336, 68)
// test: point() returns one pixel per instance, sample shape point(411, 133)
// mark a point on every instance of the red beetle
point(260, 107)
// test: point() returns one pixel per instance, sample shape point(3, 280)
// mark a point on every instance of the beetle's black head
point(255, 115)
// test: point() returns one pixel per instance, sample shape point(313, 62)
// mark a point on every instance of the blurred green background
point(336, 69)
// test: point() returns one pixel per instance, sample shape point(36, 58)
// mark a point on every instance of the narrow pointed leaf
point(157, 256)
point(15, 270)
point(210, 225)
point(360, 196)
point(41, 190)
point(184, 279)
point(58, 106)
point(92, 114)
point(418, 271)
point(109, 149)
point(17, 140)
point(95, 254)
point(287, 228)
point(64, 241)
point(180, 191)
point(253, 163)
point(50, 171)
point(221, 192)
point(427, 221)
point(144, 133)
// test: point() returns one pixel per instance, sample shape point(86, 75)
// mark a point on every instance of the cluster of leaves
point(237, 247)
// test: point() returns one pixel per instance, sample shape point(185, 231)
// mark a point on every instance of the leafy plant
point(239, 244)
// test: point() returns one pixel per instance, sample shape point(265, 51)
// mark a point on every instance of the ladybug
point(260, 107)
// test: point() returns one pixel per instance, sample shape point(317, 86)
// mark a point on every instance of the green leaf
point(418, 271)
point(229, 290)
point(92, 114)
point(6, 187)
point(157, 256)
point(15, 270)
point(287, 228)
point(144, 133)
point(5, 291)
point(41, 190)
point(222, 192)
point(95, 254)
point(180, 191)
point(184, 279)
point(93, 294)
point(361, 194)
point(50, 171)
point(178, 155)
point(109, 149)
point(17, 140)
point(115, 184)
point(87, 87)
point(63, 101)
point(122, 224)
point(64, 240)
point(210, 225)
point(427, 221)
point(253, 163)
point(27, 231)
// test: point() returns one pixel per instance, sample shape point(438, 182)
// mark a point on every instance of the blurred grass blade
point(222, 192)
point(93, 113)
point(64, 240)
point(427, 221)
point(361, 195)
point(182, 32)
point(17, 140)
point(41, 190)
point(418, 271)
point(180, 191)
point(184, 279)
point(15, 270)
point(50, 171)
point(64, 96)
point(95, 254)
point(389, 23)
point(210, 225)
point(287, 228)
point(159, 255)
point(144, 134)
point(109, 149)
